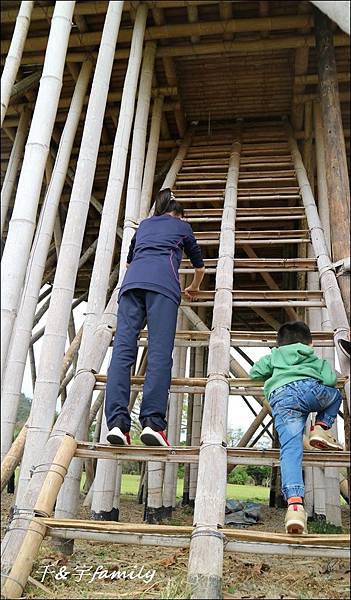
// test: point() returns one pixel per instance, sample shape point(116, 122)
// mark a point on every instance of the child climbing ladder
point(297, 383)
point(150, 293)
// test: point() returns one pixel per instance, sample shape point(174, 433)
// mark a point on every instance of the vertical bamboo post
point(189, 423)
point(12, 167)
point(180, 400)
point(173, 409)
point(206, 546)
point(22, 224)
point(16, 362)
point(13, 58)
point(336, 165)
point(196, 424)
point(53, 344)
point(331, 474)
point(151, 156)
point(115, 185)
point(132, 210)
point(329, 285)
point(107, 233)
point(29, 549)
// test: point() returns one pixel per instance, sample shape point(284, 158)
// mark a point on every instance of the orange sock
point(295, 500)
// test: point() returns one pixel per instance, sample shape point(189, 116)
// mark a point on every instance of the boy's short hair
point(293, 332)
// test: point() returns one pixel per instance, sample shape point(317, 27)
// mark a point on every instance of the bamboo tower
point(236, 107)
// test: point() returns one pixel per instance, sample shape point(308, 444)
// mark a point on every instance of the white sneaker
point(116, 437)
point(296, 519)
point(323, 440)
point(149, 437)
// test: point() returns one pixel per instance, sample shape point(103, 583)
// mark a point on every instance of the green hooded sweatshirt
point(290, 363)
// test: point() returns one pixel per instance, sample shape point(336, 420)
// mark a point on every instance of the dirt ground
point(161, 572)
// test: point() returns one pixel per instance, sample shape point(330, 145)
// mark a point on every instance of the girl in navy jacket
point(150, 294)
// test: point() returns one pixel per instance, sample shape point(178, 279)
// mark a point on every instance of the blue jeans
point(291, 404)
point(135, 307)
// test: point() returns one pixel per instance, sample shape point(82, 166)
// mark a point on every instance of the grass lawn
point(257, 493)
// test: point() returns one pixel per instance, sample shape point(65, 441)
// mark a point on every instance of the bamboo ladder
point(269, 206)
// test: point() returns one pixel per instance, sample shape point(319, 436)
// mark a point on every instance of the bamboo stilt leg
point(14, 55)
point(12, 167)
point(22, 566)
point(22, 225)
point(16, 362)
point(204, 577)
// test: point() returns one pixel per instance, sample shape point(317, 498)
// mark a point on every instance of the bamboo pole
point(22, 224)
point(16, 362)
point(196, 421)
point(13, 457)
point(14, 55)
point(204, 575)
point(328, 282)
point(169, 31)
point(107, 232)
point(151, 157)
point(332, 495)
point(114, 191)
point(12, 167)
point(336, 165)
point(29, 549)
point(53, 344)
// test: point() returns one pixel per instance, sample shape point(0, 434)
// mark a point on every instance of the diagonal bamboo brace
point(27, 554)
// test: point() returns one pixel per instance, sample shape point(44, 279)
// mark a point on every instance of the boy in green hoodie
point(298, 383)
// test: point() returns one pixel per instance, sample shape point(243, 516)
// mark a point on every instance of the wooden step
point(190, 455)
point(196, 385)
point(248, 265)
point(236, 540)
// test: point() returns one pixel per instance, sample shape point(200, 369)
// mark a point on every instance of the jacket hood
point(293, 354)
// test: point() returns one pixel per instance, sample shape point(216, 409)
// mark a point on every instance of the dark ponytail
point(165, 203)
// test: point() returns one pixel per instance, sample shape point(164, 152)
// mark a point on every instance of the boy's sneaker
point(323, 440)
point(296, 520)
point(149, 437)
point(116, 437)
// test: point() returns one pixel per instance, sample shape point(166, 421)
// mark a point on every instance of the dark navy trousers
point(137, 307)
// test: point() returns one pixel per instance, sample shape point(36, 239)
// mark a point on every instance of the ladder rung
point(176, 540)
point(190, 454)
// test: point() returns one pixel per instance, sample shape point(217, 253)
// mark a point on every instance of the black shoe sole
point(114, 440)
point(150, 440)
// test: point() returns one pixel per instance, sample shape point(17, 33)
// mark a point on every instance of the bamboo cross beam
point(177, 540)
point(340, 540)
point(184, 454)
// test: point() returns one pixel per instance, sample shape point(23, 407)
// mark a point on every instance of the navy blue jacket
point(155, 254)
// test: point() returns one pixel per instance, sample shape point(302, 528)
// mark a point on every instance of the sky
point(239, 415)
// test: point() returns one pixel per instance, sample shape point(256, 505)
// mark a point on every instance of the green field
point(257, 493)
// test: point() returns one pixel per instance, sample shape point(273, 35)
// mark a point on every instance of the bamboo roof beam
point(300, 68)
point(193, 17)
point(87, 8)
point(14, 54)
point(171, 75)
point(226, 13)
point(169, 31)
point(191, 50)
